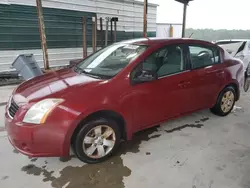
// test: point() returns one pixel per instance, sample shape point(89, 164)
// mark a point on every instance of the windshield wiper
point(82, 71)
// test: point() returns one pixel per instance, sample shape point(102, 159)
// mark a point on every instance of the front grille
point(13, 108)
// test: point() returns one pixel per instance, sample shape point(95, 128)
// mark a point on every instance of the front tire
point(97, 140)
point(225, 102)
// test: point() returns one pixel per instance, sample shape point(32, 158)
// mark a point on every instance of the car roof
point(155, 40)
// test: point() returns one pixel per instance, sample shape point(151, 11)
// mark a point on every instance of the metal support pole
point(107, 31)
point(145, 18)
point(111, 32)
point(184, 20)
point(115, 33)
point(101, 33)
point(94, 34)
point(42, 34)
point(84, 37)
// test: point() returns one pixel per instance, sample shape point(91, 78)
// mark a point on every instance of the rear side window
point(201, 56)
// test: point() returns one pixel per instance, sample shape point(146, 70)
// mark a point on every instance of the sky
point(215, 14)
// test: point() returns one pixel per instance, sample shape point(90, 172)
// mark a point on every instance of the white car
point(239, 48)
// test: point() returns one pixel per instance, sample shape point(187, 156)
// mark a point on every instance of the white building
point(19, 32)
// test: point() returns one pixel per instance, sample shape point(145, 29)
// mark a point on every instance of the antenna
point(191, 35)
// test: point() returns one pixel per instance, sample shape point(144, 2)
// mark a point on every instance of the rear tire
point(246, 83)
point(247, 79)
point(225, 102)
point(97, 140)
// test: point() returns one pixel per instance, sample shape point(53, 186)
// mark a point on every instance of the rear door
point(209, 75)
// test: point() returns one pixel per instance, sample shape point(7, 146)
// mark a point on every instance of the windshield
point(111, 60)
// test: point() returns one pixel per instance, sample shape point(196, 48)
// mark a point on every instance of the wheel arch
point(236, 88)
point(109, 114)
point(233, 84)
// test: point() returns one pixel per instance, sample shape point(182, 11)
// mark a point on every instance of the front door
point(169, 95)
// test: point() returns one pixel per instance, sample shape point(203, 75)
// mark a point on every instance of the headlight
point(39, 112)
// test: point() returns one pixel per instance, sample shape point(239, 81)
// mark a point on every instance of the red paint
point(141, 106)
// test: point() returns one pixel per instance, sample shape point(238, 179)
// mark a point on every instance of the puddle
point(133, 145)
point(36, 171)
point(204, 119)
point(33, 159)
point(107, 174)
point(148, 153)
point(183, 127)
point(196, 125)
point(155, 136)
point(32, 169)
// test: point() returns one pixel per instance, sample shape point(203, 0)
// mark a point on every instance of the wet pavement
point(200, 150)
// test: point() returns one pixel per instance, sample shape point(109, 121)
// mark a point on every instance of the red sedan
point(119, 90)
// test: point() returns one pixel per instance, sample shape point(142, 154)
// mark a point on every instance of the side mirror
point(144, 76)
point(74, 62)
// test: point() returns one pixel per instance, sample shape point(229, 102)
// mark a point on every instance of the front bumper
point(34, 140)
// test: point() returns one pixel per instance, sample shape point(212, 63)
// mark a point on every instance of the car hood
point(54, 84)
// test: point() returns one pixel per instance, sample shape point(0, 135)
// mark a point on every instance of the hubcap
point(99, 141)
point(227, 101)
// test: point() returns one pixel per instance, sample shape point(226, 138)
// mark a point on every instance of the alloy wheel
point(99, 141)
point(227, 101)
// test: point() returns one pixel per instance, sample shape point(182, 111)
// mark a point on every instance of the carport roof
point(184, 1)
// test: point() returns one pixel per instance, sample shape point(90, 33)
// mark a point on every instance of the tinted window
point(166, 61)
point(203, 56)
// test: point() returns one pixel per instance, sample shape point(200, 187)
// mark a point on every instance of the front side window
point(111, 60)
point(203, 56)
point(166, 61)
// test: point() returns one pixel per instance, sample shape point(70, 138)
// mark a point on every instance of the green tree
point(212, 35)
